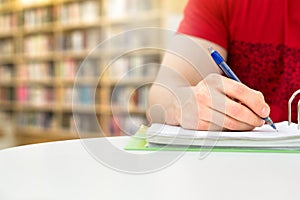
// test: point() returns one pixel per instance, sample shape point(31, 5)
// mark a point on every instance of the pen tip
point(274, 127)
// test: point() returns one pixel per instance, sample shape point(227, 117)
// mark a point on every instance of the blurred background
point(42, 45)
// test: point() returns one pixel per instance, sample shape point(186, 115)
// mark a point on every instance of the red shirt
point(262, 38)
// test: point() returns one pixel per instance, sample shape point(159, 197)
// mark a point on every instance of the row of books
point(69, 67)
point(42, 95)
point(6, 47)
point(124, 68)
point(75, 41)
point(124, 97)
point(130, 97)
point(121, 8)
point(36, 71)
point(85, 123)
point(126, 124)
point(38, 96)
point(68, 122)
point(80, 12)
point(7, 94)
point(37, 45)
point(80, 40)
point(123, 36)
point(6, 72)
point(8, 22)
point(81, 95)
point(44, 120)
point(135, 66)
point(37, 17)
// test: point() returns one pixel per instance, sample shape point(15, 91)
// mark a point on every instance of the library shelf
point(41, 57)
point(6, 104)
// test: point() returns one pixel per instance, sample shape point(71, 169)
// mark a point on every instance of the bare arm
point(189, 91)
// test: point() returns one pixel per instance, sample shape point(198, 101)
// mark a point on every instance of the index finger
point(251, 98)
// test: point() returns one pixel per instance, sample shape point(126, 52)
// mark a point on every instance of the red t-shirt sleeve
point(206, 19)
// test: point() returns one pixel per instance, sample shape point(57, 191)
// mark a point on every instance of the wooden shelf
point(45, 28)
point(4, 83)
point(6, 105)
point(48, 56)
point(36, 4)
point(45, 82)
point(50, 107)
point(82, 109)
point(7, 58)
point(7, 7)
point(53, 134)
point(9, 34)
point(98, 23)
point(79, 81)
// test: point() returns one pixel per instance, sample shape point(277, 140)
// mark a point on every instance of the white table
point(65, 170)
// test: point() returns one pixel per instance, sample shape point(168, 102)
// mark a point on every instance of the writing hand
point(221, 103)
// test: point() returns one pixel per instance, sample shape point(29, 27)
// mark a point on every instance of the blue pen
point(230, 74)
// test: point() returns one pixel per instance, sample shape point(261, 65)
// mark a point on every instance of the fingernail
point(265, 111)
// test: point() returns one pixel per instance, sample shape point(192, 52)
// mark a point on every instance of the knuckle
point(260, 96)
point(259, 100)
point(239, 89)
point(212, 79)
point(203, 95)
point(234, 111)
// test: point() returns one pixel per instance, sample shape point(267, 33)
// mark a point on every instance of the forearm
point(163, 108)
point(166, 94)
point(185, 64)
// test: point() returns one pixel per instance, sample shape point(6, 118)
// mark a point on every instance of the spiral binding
point(290, 108)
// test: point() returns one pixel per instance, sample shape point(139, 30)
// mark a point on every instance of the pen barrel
point(224, 67)
point(229, 73)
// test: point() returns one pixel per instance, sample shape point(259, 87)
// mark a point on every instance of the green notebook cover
point(138, 142)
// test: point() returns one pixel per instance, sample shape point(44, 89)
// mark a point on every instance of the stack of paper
point(262, 137)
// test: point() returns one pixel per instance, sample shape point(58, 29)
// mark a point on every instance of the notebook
point(261, 139)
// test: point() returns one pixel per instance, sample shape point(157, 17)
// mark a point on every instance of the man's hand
point(218, 103)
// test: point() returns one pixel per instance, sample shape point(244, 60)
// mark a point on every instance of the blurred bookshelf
point(42, 45)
